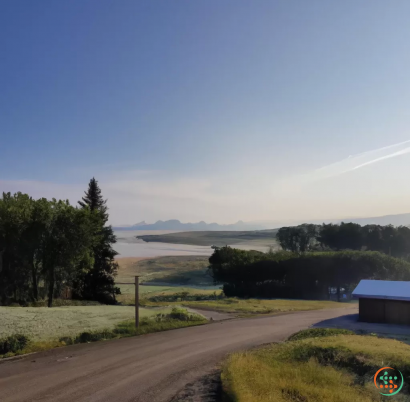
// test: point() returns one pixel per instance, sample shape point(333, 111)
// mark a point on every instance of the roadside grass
point(173, 319)
point(246, 307)
point(47, 324)
point(318, 333)
point(321, 369)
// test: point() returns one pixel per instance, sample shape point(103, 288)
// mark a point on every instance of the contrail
point(380, 149)
point(402, 152)
point(354, 162)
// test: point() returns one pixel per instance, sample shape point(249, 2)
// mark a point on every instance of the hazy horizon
point(225, 111)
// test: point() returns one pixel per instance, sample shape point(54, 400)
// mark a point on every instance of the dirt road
point(148, 368)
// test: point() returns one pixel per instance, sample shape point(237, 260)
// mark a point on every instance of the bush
point(13, 344)
point(183, 315)
point(86, 337)
point(319, 332)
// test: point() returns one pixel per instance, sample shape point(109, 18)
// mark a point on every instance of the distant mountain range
point(174, 224)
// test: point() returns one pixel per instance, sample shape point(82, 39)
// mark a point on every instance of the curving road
point(148, 368)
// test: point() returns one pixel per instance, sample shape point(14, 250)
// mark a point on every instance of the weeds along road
point(149, 368)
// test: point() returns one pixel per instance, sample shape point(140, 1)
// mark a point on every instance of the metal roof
point(372, 289)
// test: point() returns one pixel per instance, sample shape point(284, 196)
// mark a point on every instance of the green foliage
point(182, 315)
point(96, 281)
point(47, 246)
point(13, 344)
point(319, 332)
point(390, 240)
point(305, 275)
point(86, 337)
point(298, 238)
point(41, 241)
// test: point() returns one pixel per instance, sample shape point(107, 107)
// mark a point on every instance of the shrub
point(319, 332)
point(183, 315)
point(13, 344)
point(94, 336)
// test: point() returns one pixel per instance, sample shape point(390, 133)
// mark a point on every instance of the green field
point(256, 238)
point(327, 369)
point(42, 323)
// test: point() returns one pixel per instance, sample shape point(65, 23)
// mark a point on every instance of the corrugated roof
point(372, 289)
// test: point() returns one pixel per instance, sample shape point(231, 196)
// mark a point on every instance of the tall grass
point(325, 369)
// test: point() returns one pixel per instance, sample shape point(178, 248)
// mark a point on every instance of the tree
point(14, 218)
point(98, 282)
point(298, 239)
point(31, 241)
point(94, 200)
point(66, 246)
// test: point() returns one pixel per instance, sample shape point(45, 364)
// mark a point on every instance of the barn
point(383, 301)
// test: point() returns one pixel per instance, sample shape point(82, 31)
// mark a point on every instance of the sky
point(208, 110)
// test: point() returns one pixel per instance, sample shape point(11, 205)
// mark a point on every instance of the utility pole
point(137, 320)
point(136, 283)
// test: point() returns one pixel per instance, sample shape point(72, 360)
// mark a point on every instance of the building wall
point(384, 311)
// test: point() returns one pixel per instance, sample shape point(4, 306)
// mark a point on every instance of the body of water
point(129, 246)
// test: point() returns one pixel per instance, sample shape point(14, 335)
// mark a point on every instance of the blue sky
point(213, 110)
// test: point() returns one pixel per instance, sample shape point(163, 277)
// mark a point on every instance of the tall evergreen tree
point(98, 283)
point(94, 199)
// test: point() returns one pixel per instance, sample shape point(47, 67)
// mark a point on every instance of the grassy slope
point(182, 270)
point(329, 369)
point(185, 272)
point(41, 323)
point(209, 238)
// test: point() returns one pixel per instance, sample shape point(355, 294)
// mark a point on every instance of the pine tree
point(98, 283)
point(94, 200)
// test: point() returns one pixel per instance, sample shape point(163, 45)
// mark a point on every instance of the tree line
point(308, 275)
point(391, 240)
point(47, 246)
